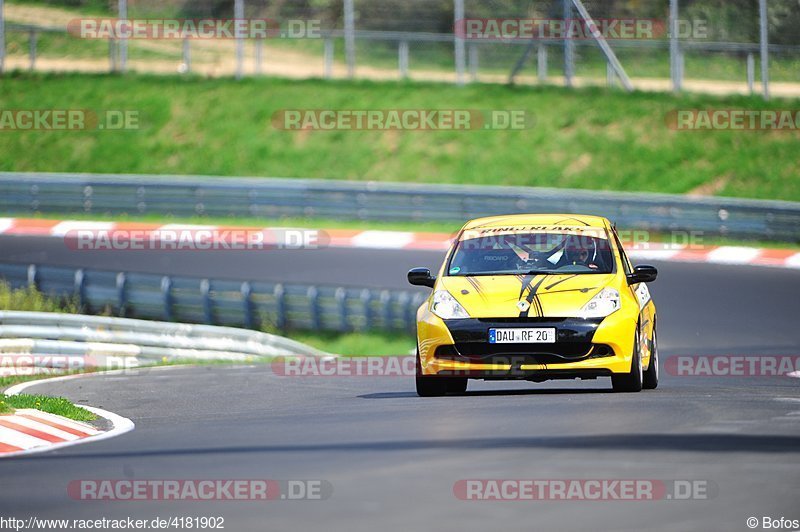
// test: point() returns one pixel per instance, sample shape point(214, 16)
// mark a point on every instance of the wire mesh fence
point(716, 46)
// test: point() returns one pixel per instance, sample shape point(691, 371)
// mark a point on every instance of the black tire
point(650, 381)
point(456, 384)
point(430, 385)
point(631, 381)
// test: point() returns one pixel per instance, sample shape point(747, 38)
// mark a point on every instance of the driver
point(576, 254)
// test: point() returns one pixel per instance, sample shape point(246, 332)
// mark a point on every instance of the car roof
point(519, 220)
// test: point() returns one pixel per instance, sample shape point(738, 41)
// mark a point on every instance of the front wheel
point(631, 381)
point(650, 381)
point(430, 385)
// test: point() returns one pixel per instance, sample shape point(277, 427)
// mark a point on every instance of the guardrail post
point(341, 305)
point(122, 296)
point(247, 305)
point(32, 38)
point(404, 300)
point(33, 277)
point(79, 288)
point(280, 306)
point(208, 309)
point(366, 300)
point(313, 307)
point(386, 309)
point(166, 297)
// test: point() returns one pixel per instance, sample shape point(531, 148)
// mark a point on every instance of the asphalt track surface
point(393, 458)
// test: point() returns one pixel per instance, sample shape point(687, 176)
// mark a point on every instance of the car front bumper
point(584, 348)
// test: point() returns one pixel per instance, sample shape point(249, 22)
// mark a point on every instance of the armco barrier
point(222, 302)
point(74, 341)
point(23, 193)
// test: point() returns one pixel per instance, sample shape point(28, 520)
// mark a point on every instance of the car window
point(519, 252)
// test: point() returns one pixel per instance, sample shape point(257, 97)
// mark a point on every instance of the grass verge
point(53, 405)
point(590, 138)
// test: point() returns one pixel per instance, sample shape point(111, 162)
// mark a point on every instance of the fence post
point(112, 54)
point(569, 47)
point(2, 37)
point(280, 307)
point(187, 55)
point(458, 20)
point(762, 10)
point(349, 38)
point(79, 287)
point(473, 62)
point(541, 63)
point(328, 58)
point(259, 55)
point(674, 50)
point(205, 294)
point(402, 58)
point(122, 301)
point(238, 14)
point(32, 37)
point(122, 13)
point(751, 73)
point(166, 297)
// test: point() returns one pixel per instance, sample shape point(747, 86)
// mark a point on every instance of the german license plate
point(540, 335)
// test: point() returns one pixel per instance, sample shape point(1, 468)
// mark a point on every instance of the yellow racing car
point(536, 297)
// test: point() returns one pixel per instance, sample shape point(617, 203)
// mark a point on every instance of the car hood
point(500, 296)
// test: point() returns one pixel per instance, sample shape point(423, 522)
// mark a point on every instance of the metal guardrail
point(24, 193)
point(69, 341)
point(274, 306)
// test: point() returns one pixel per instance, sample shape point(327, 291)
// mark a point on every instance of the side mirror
point(642, 274)
point(421, 277)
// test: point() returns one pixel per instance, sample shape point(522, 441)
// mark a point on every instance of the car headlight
point(446, 307)
point(604, 303)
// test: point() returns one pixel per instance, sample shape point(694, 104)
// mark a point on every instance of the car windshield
point(515, 252)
